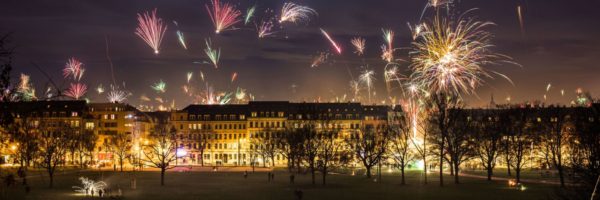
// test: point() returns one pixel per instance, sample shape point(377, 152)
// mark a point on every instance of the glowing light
point(234, 76)
point(73, 68)
point(359, 45)
point(76, 90)
point(160, 87)
point(295, 13)
point(88, 186)
point(181, 39)
point(223, 16)
point(213, 54)
point(450, 56)
point(265, 29)
point(319, 59)
point(151, 29)
point(249, 14)
point(333, 43)
point(189, 76)
point(367, 78)
point(181, 152)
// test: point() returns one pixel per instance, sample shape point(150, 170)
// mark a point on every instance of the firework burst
point(337, 48)
point(160, 87)
point(319, 59)
point(249, 14)
point(295, 13)
point(366, 78)
point(388, 48)
point(223, 16)
point(265, 29)
point(151, 29)
point(73, 68)
point(76, 90)
point(417, 30)
point(359, 45)
point(450, 56)
point(116, 95)
point(213, 54)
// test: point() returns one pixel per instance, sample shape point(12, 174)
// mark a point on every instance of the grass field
point(232, 185)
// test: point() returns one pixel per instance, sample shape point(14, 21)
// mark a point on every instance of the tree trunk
point(560, 174)
point(162, 176)
point(442, 165)
point(518, 171)
point(455, 168)
point(368, 171)
point(121, 164)
point(425, 168)
point(402, 171)
point(324, 175)
point(490, 172)
point(312, 173)
point(51, 176)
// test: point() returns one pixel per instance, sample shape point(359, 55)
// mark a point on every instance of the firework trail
point(76, 91)
point(366, 78)
point(249, 14)
point(189, 76)
point(202, 76)
point(116, 95)
point(73, 68)
point(392, 74)
point(234, 76)
point(151, 29)
point(521, 22)
point(295, 13)
point(181, 39)
point(355, 87)
point(436, 4)
point(388, 48)
point(145, 98)
point(265, 29)
point(359, 45)
point(417, 30)
point(213, 54)
point(240, 95)
point(450, 56)
point(100, 89)
point(320, 59)
point(335, 45)
point(223, 16)
point(548, 87)
point(160, 87)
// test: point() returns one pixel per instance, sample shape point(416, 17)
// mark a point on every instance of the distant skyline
point(559, 45)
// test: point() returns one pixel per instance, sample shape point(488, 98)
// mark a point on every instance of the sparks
point(249, 14)
point(116, 95)
point(73, 68)
point(450, 56)
point(366, 78)
point(100, 89)
point(295, 13)
point(265, 29)
point(318, 60)
point(223, 16)
point(335, 45)
point(213, 54)
point(181, 39)
point(417, 30)
point(151, 29)
point(388, 49)
point(76, 90)
point(234, 76)
point(359, 45)
point(189, 76)
point(160, 87)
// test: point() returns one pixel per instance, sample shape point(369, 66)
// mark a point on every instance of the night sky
point(560, 45)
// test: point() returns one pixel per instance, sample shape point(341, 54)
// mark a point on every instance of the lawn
point(232, 185)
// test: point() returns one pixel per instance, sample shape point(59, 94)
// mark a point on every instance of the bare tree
point(460, 144)
point(441, 119)
point(488, 133)
point(161, 150)
point(584, 154)
point(329, 152)
point(369, 145)
point(121, 146)
point(53, 147)
point(399, 148)
point(521, 137)
point(86, 146)
point(201, 140)
point(556, 119)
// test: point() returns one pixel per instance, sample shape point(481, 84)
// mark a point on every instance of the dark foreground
point(232, 185)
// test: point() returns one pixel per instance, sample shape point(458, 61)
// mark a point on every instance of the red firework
point(151, 29)
point(223, 16)
point(76, 91)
